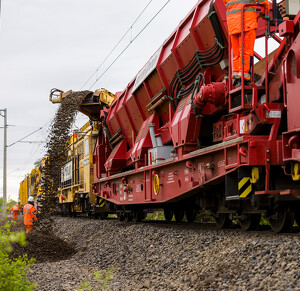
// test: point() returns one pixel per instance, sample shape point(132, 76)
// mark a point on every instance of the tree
point(38, 162)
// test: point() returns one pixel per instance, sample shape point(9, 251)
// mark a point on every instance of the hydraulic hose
point(202, 59)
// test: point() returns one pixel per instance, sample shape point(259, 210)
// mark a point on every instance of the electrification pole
point(5, 160)
point(4, 111)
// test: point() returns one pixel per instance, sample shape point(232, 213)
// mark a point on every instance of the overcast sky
point(59, 43)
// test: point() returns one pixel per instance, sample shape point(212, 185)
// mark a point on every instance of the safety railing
point(76, 173)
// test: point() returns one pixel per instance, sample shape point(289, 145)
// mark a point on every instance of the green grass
point(103, 279)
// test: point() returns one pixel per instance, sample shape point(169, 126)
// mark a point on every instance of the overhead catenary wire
point(131, 41)
point(24, 137)
point(114, 48)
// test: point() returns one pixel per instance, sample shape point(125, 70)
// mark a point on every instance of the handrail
point(242, 56)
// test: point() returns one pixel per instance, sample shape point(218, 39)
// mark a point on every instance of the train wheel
point(179, 214)
point(297, 217)
point(282, 220)
point(128, 217)
point(94, 216)
point(249, 221)
point(137, 216)
point(168, 214)
point(103, 215)
point(191, 214)
point(223, 221)
point(121, 216)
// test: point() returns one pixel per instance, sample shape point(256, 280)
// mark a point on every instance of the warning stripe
point(102, 202)
point(245, 187)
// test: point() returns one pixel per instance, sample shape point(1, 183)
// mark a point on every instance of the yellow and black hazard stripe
point(245, 187)
point(102, 202)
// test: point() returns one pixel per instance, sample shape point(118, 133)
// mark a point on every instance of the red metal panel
point(184, 46)
point(202, 23)
point(143, 99)
point(286, 28)
point(124, 117)
point(167, 64)
point(185, 127)
point(176, 178)
point(136, 116)
point(143, 140)
point(116, 159)
point(111, 118)
point(154, 83)
point(167, 48)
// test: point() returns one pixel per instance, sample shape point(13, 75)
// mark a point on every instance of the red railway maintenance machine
point(182, 138)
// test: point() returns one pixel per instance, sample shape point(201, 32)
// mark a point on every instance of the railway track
point(157, 255)
point(197, 225)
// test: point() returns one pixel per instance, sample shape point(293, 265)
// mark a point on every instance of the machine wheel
point(121, 216)
point(282, 220)
point(103, 215)
point(128, 217)
point(179, 214)
point(168, 214)
point(191, 214)
point(249, 222)
point(137, 216)
point(222, 220)
point(297, 217)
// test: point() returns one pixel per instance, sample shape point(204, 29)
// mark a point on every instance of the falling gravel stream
point(59, 133)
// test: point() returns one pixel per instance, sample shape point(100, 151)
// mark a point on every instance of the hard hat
point(30, 199)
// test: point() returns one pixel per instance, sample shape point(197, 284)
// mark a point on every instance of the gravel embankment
point(161, 256)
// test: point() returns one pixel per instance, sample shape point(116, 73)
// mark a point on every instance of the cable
point(23, 126)
point(129, 29)
point(32, 141)
point(130, 43)
point(24, 137)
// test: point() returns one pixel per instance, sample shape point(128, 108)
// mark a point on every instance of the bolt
point(268, 151)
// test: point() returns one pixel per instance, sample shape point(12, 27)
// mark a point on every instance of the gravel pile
point(161, 256)
point(44, 247)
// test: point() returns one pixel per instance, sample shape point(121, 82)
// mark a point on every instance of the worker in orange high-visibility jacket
point(29, 214)
point(15, 210)
point(234, 23)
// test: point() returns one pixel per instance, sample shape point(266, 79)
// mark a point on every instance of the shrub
point(13, 271)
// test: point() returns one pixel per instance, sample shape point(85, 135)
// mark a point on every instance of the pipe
point(157, 103)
